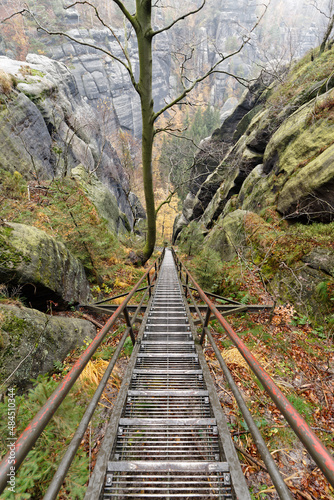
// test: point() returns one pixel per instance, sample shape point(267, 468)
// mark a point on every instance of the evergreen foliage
point(177, 153)
point(208, 268)
point(37, 471)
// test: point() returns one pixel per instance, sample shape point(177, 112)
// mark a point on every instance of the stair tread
point(167, 466)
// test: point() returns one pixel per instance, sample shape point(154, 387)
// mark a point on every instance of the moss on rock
point(41, 265)
point(227, 235)
point(101, 197)
point(31, 342)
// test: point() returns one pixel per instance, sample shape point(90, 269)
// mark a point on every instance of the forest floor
point(302, 365)
point(299, 361)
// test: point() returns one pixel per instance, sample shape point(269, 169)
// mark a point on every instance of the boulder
point(31, 342)
point(228, 235)
point(299, 286)
point(101, 197)
point(41, 266)
point(321, 259)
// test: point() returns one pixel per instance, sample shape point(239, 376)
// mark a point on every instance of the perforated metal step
point(168, 441)
point(132, 480)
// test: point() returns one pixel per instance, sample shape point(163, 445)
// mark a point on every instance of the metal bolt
point(227, 478)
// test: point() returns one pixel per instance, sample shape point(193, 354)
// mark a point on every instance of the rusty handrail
point(29, 436)
point(314, 446)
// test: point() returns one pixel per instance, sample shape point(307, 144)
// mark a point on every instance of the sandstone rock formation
point(47, 128)
point(32, 342)
point(283, 161)
point(41, 266)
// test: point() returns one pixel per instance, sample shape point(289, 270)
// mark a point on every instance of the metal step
point(166, 442)
point(168, 479)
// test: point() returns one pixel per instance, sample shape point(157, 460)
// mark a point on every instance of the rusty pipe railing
point(314, 446)
point(29, 436)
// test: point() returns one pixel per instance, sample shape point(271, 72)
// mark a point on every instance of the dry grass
point(233, 357)
point(118, 301)
point(92, 374)
point(6, 83)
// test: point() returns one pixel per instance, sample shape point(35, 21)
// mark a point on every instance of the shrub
point(36, 472)
point(208, 269)
point(12, 185)
point(6, 83)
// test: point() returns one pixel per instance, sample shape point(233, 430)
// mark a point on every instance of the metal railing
point(316, 449)
point(29, 436)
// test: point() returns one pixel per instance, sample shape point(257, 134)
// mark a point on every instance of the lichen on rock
point(31, 342)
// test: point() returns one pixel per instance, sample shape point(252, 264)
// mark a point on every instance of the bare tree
point(329, 14)
point(141, 24)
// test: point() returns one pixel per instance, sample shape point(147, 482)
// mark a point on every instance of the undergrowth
point(303, 75)
point(37, 470)
point(61, 209)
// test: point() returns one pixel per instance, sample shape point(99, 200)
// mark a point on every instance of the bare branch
point(213, 69)
point(166, 28)
point(127, 14)
point(315, 5)
point(126, 65)
point(20, 12)
point(85, 2)
point(166, 201)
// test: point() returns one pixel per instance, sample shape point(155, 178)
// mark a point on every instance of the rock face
point(283, 161)
point(279, 161)
point(228, 235)
point(47, 128)
point(105, 83)
point(321, 259)
point(31, 342)
point(42, 267)
point(219, 174)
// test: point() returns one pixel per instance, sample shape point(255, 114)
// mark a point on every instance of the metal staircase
point(171, 439)
point(167, 436)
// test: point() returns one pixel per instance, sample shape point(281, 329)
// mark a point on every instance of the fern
point(36, 472)
point(208, 269)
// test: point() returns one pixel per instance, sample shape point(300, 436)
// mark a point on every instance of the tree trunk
point(144, 39)
point(327, 34)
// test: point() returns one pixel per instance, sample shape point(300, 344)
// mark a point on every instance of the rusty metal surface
point(165, 441)
point(317, 450)
point(29, 436)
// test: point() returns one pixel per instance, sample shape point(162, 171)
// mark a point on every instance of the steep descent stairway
point(172, 440)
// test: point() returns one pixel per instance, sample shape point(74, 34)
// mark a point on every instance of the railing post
point(149, 285)
point(187, 281)
point(128, 322)
point(206, 322)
